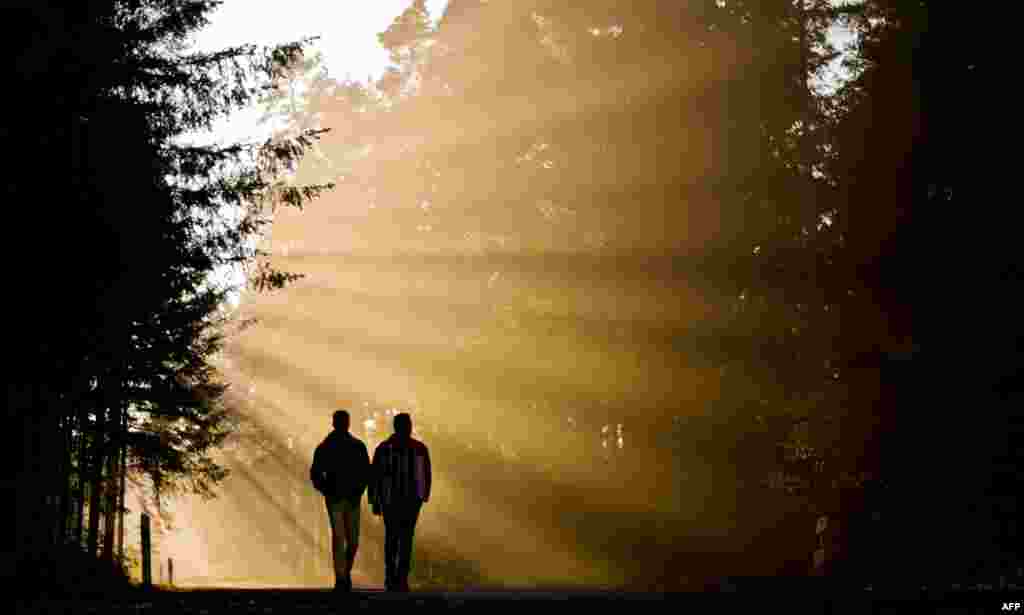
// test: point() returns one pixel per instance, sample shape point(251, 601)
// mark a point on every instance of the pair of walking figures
point(398, 482)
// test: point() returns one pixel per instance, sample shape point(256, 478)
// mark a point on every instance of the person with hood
point(399, 487)
point(341, 471)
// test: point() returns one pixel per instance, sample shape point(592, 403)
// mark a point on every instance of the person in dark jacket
point(340, 471)
point(399, 487)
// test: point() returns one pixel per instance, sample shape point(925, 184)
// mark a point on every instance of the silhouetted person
point(400, 486)
point(340, 471)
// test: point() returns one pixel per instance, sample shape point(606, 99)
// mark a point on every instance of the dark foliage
point(119, 316)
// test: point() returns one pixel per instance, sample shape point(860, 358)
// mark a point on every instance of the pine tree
point(136, 243)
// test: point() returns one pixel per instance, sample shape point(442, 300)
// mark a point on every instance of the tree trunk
point(109, 506)
point(124, 473)
point(35, 480)
point(96, 481)
point(66, 473)
point(21, 491)
point(80, 482)
point(111, 491)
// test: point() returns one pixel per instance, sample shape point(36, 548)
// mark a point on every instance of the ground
point(730, 595)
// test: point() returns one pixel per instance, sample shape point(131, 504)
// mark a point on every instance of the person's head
point(341, 420)
point(403, 424)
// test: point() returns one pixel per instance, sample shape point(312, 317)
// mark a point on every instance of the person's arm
point(426, 472)
point(364, 468)
point(374, 482)
point(316, 471)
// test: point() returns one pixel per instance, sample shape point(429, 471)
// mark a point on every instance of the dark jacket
point(401, 472)
point(341, 466)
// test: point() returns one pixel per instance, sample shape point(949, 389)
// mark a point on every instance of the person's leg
point(391, 533)
point(351, 520)
point(336, 516)
point(402, 538)
point(410, 515)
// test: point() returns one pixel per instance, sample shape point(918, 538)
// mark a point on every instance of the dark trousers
point(399, 526)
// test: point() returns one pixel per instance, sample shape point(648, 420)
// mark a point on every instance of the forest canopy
point(855, 347)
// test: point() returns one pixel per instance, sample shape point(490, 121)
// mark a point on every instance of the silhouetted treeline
point(117, 235)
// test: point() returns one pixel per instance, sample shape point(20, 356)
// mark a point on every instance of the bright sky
point(348, 32)
point(348, 40)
